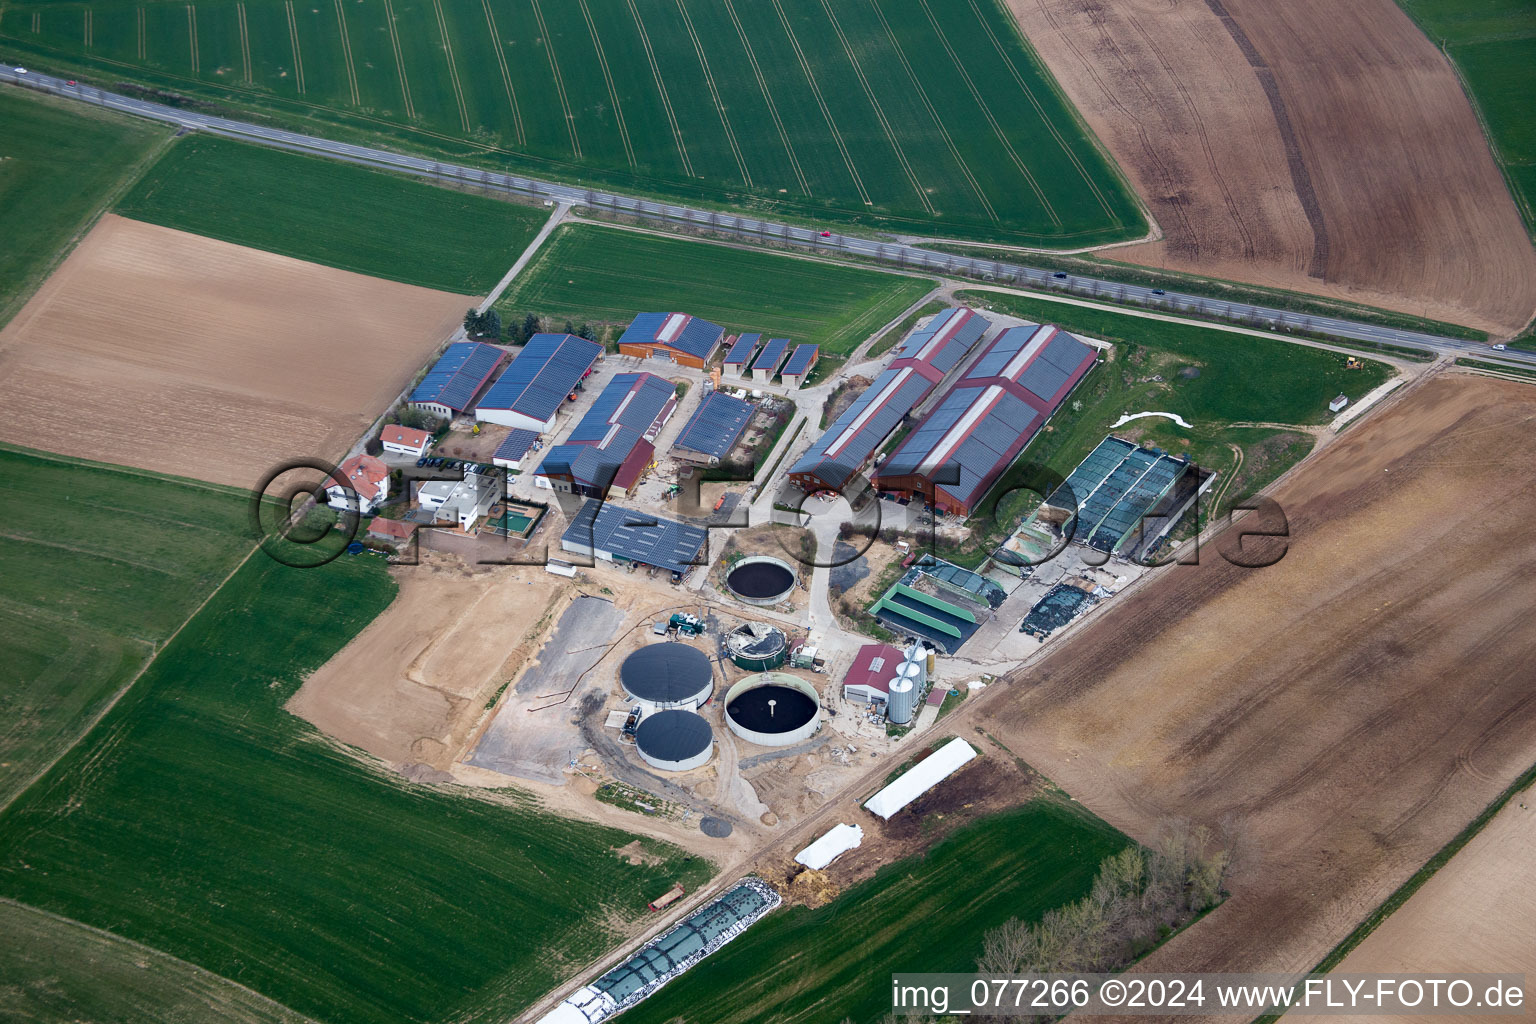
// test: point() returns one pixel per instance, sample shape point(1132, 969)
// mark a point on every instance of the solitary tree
point(531, 326)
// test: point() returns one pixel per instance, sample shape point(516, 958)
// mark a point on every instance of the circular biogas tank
point(761, 580)
point(674, 740)
point(773, 709)
point(668, 675)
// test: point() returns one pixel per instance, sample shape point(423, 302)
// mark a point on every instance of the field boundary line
point(661, 88)
point(714, 94)
point(506, 74)
point(192, 38)
point(986, 112)
point(245, 42)
point(773, 109)
point(120, 188)
point(293, 38)
point(394, 42)
point(554, 67)
point(37, 22)
point(90, 43)
point(143, 49)
point(922, 94)
point(453, 65)
point(346, 53)
point(152, 952)
point(122, 691)
point(1050, 125)
point(821, 101)
point(613, 94)
point(874, 102)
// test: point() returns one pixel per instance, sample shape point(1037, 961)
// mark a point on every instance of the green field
point(1246, 405)
point(59, 166)
point(333, 213)
point(58, 970)
point(203, 820)
point(98, 566)
point(1493, 43)
point(801, 966)
point(907, 113)
point(592, 273)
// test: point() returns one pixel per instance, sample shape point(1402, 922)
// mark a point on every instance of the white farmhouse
point(365, 475)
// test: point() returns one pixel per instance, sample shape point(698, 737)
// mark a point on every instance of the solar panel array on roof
point(853, 437)
point(635, 536)
point(772, 354)
point(676, 330)
point(517, 444)
point(742, 350)
point(801, 358)
point(457, 375)
point(631, 400)
point(542, 375)
point(619, 420)
point(1053, 367)
point(715, 425)
point(990, 414)
point(956, 330)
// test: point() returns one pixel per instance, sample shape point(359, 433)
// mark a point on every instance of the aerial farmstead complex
point(934, 582)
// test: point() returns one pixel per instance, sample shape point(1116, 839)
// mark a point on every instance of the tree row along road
point(906, 256)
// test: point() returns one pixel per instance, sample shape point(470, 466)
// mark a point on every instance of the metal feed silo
point(903, 701)
point(915, 671)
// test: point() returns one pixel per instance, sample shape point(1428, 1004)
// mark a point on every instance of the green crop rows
point(203, 820)
point(802, 966)
point(98, 565)
point(334, 213)
point(1493, 43)
point(59, 164)
point(594, 273)
point(905, 112)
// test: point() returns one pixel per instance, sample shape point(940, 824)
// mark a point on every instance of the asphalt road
point(909, 256)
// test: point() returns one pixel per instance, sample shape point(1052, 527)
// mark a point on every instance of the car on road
point(1158, 291)
point(1059, 275)
point(1500, 348)
point(19, 71)
point(826, 234)
point(71, 82)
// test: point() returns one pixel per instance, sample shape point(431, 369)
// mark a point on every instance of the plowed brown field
point(1300, 144)
point(1346, 710)
point(168, 351)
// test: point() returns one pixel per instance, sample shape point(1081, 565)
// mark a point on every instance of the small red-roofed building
point(869, 678)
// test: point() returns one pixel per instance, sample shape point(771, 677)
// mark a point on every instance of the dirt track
point(1347, 709)
point(1299, 144)
point(167, 351)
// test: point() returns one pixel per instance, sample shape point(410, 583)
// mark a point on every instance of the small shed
point(801, 361)
point(1338, 403)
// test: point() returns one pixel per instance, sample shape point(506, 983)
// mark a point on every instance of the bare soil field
point(1345, 711)
point(412, 685)
point(168, 351)
point(1305, 145)
point(1476, 914)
